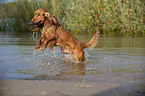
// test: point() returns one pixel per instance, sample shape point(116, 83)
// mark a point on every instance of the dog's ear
point(51, 18)
point(47, 14)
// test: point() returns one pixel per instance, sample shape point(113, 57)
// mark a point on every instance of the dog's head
point(40, 16)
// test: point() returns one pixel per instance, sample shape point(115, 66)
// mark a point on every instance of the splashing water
point(115, 60)
point(34, 36)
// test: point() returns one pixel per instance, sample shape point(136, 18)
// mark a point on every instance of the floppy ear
point(47, 14)
point(51, 18)
point(55, 20)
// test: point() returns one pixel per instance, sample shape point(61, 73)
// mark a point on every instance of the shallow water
point(114, 59)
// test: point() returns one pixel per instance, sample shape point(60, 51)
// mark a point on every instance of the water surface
point(115, 59)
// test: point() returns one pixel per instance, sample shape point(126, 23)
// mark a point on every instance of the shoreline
point(64, 88)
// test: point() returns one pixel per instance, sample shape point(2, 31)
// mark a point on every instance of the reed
point(116, 17)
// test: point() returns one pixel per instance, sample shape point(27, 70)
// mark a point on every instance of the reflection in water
point(61, 70)
point(74, 69)
point(114, 59)
point(68, 70)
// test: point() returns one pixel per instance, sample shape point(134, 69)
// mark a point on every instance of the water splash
point(34, 36)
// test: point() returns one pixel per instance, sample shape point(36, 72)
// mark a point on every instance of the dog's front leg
point(39, 43)
point(43, 45)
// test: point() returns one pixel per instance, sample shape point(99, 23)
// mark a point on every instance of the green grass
point(113, 17)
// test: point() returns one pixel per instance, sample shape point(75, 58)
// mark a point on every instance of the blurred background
point(118, 57)
point(112, 17)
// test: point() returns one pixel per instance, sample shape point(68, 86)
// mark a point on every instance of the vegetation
point(123, 17)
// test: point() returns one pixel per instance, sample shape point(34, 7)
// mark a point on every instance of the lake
point(114, 59)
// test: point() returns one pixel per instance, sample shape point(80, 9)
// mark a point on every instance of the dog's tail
point(94, 41)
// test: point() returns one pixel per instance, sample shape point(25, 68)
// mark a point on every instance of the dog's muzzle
point(38, 23)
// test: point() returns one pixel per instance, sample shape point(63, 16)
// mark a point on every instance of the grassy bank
point(123, 17)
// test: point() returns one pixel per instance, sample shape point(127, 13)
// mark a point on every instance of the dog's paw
point(35, 52)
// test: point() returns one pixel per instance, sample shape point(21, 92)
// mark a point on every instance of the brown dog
point(52, 31)
point(45, 37)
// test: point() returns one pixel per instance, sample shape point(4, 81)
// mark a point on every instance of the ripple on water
point(123, 61)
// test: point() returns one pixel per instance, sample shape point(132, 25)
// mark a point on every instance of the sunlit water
point(114, 59)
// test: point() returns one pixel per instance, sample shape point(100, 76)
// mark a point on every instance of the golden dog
point(54, 34)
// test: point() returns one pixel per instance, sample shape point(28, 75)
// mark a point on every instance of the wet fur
point(54, 34)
